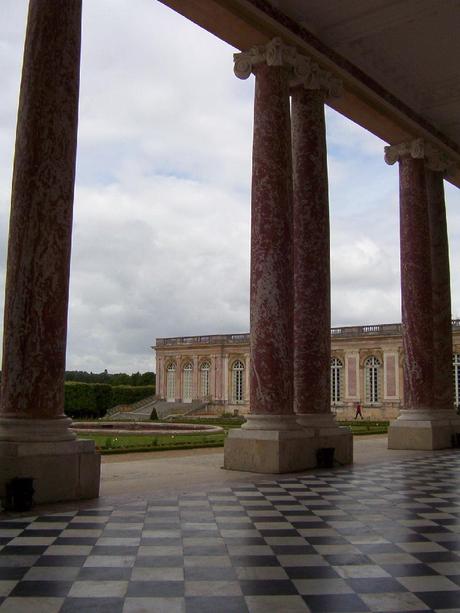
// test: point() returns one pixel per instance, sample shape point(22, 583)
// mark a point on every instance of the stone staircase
point(142, 410)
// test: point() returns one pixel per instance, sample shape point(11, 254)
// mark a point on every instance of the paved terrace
point(173, 532)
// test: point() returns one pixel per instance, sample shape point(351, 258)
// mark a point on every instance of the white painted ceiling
point(410, 47)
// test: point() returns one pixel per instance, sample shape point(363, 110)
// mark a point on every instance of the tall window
point(204, 370)
point(336, 379)
point(171, 382)
point(371, 375)
point(456, 369)
point(238, 381)
point(187, 382)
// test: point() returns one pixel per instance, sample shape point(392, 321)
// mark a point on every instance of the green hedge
point(93, 400)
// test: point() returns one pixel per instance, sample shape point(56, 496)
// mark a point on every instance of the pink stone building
point(366, 366)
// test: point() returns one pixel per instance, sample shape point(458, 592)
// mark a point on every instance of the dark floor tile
point(206, 573)
point(92, 605)
point(206, 550)
point(379, 548)
point(293, 550)
point(157, 561)
point(327, 540)
point(268, 588)
point(42, 588)
point(14, 572)
point(336, 603)
point(52, 519)
point(311, 572)
point(440, 600)
point(451, 545)
point(72, 540)
point(344, 559)
point(222, 604)
point(161, 542)
point(155, 588)
point(61, 561)
point(114, 550)
point(254, 561)
point(85, 526)
point(23, 550)
point(40, 532)
point(244, 540)
point(287, 532)
point(375, 585)
point(429, 557)
point(408, 570)
point(104, 573)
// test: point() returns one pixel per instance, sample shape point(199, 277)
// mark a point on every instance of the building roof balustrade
point(339, 332)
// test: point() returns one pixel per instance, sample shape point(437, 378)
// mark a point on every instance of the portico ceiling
point(399, 59)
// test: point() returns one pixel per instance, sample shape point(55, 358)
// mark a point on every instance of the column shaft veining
point(37, 283)
point(312, 304)
point(440, 270)
point(271, 298)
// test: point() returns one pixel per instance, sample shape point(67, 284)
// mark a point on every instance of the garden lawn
point(124, 443)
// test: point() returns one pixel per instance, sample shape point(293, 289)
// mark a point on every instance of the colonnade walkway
point(381, 535)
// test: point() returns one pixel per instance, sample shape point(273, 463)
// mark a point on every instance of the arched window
point(238, 381)
point(187, 382)
point(371, 377)
point(336, 379)
point(171, 382)
point(456, 369)
point(205, 369)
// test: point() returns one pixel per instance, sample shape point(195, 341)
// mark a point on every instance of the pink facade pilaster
point(312, 305)
point(35, 320)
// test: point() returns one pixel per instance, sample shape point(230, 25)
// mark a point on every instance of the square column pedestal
point(423, 429)
point(276, 444)
point(62, 466)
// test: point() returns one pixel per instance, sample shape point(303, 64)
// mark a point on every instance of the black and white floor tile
point(381, 539)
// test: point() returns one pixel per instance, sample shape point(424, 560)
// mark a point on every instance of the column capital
point(303, 71)
point(435, 159)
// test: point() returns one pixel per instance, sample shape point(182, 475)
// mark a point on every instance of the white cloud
point(161, 235)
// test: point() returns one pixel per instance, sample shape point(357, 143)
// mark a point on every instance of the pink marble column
point(35, 321)
point(416, 285)
point(312, 304)
point(440, 271)
point(271, 389)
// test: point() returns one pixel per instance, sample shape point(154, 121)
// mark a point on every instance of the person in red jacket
point(358, 411)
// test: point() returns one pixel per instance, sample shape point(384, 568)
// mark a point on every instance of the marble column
point(311, 248)
point(422, 424)
point(34, 432)
point(440, 271)
point(271, 441)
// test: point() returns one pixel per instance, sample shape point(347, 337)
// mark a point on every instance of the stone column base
point(423, 429)
point(270, 444)
point(62, 470)
point(325, 432)
point(281, 444)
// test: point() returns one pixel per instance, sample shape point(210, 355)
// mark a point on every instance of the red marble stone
point(271, 303)
point(312, 304)
point(35, 322)
point(416, 286)
point(440, 271)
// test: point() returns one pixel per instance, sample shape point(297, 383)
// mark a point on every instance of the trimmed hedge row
point(93, 400)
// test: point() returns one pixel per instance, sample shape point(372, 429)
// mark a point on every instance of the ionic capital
point(303, 71)
point(435, 159)
point(309, 75)
point(274, 53)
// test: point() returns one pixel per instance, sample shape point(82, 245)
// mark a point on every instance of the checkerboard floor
point(383, 538)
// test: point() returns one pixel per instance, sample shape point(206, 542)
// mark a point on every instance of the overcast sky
point(162, 201)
